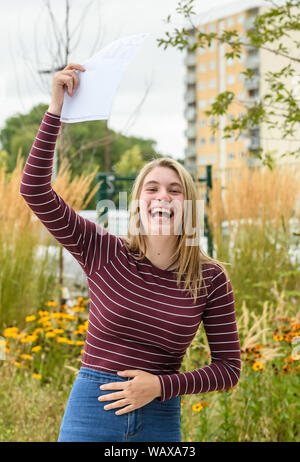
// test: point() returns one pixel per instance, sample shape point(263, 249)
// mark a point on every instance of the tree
point(63, 33)
point(19, 132)
point(275, 31)
point(130, 162)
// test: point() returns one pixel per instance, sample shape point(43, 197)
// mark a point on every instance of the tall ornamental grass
point(253, 222)
point(29, 277)
point(264, 406)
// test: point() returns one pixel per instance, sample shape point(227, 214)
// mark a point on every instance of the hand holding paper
point(98, 85)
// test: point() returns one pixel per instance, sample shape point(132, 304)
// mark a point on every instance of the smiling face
point(161, 202)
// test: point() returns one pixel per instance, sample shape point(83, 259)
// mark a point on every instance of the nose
point(162, 195)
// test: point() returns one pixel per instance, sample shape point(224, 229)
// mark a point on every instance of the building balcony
point(249, 22)
point(254, 162)
point(190, 78)
point(253, 99)
point(190, 60)
point(190, 113)
point(252, 62)
point(252, 84)
point(254, 143)
point(191, 167)
point(190, 152)
point(190, 96)
point(191, 132)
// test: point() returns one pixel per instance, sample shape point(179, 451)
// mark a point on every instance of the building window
point(203, 123)
point(230, 22)
point(241, 77)
point(212, 120)
point(212, 83)
point(202, 141)
point(231, 79)
point(231, 156)
point(212, 46)
point(202, 67)
point(201, 86)
point(202, 160)
point(242, 58)
point(213, 158)
point(202, 104)
point(212, 139)
point(230, 61)
point(201, 51)
point(241, 18)
point(212, 65)
point(212, 100)
point(242, 96)
point(212, 28)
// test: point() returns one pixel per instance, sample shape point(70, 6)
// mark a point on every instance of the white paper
point(98, 85)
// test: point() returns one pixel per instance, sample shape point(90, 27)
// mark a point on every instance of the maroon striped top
point(139, 318)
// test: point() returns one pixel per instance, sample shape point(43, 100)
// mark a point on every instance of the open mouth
point(161, 212)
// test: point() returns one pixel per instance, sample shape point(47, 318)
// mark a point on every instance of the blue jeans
point(86, 420)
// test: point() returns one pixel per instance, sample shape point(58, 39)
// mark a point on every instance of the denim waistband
point(95, 374)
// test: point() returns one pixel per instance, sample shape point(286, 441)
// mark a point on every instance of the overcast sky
point(25, 48)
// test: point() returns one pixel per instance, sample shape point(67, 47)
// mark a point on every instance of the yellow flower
point(257, 366)
point(36, 376)
point(17, 363)
point(50, 334)
point(62, 340)
point(30, 318)
point(51, 303)
point(79, 342)
point(70, 316)
point(43, 313)
point(277, 338)
point(44, 319)
point(36, 349)
point(11, 332)
point(197, 407)
point(48, 328)
point(56, 315)
point(82, 351)
point(77, 308)
point(58, 331)
point(28, 339)
point(26, 356)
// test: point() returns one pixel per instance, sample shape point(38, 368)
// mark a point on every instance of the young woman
point(148, 294)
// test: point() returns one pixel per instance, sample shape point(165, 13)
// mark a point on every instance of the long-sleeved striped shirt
point(138, 317)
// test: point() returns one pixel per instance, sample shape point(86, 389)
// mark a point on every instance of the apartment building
point(209, 72)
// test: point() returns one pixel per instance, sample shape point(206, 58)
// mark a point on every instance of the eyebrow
point(156, 182)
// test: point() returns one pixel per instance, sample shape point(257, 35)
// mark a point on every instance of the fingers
point(120, 403)
point(72, 81)
point(114, 386)
point(68, 77)
point(72, 66)
point(111, 396)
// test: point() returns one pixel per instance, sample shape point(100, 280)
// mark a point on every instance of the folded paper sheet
point(98, 85)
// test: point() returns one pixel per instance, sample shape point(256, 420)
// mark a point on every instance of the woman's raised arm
point(90, 244)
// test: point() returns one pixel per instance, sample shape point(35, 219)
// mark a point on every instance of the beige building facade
point(209, 72)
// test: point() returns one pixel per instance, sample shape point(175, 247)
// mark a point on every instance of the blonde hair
point(188, 258)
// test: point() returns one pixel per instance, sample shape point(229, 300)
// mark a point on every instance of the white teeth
point(161, 209)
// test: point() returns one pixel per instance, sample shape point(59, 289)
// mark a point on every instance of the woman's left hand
point(132, 394)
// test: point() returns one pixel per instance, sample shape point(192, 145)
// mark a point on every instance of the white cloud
point(25, 33)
